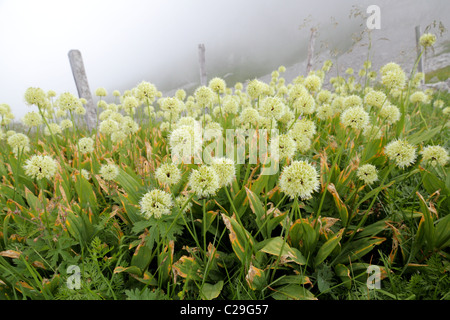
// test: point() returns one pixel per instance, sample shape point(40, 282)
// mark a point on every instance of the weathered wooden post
point(312, 41)
point(201, 60)
point(79, 75)
point(420, 67)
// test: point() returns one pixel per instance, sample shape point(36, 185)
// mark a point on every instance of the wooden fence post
point(312, 41)
point(201, 60)
point(79, 75)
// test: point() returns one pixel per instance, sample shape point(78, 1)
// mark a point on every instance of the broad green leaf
point(303, 236)
point(327, 248)
point(278, 247)
point(256, 278)
point(257, 208)
point(292, 292)
point(165, 262)
point(293, 279)
point(429, 230)
point(344, 274)
point(188, 268)
point(132, 186)
point(357, 249)
point(132, 270)
point(341, 207)
point(85, 193)
point(241, 240)
point(442, 232)
point(211, 291)
point(422, 135)
point(143, 254)
point(433, 183)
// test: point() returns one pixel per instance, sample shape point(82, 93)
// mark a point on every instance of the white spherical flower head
point(272, 107)
point(108, 126)
point(146, 90)
point(217, 85)
point(427, 40)
point(66, 124)
point(40, 167)
point(400, 151)
point(156, 203)
point(204, 181)
point(287, 146)
point(355, 118)
point(225, 170)
point(313, 83)
point(390, 113)
point(18, 141)
point(168, 173)
point(109, 171)
point(300, 179)
point(86, 145)
point(68, 102)
point(32, 119)
point(213, 131)
point(303, 127)
point(101, 92)
point(35, 96)
point(255, 88)
point(375, 98)
point(204, 96)
point(435, 155)
point(183, 200)
point(367, 173)
point(230, 105)
point(186, 141)
point(249, 115)
point(304, 104)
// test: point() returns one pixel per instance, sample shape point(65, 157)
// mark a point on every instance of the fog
point(125, 42)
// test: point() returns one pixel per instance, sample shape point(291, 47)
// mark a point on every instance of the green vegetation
point(368, 185)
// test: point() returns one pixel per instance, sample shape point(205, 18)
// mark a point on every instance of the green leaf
point(143, 254)
point(85, 193)
point(131, 270)
point(257, 208)
point(292, 292)
point(327, 248)
point(188, 268)
point(443, 232)
point(132, 186)
point(303, 237)
point(278, 247)
point(428, 222)
point(211, 291)
point(241, 240)
point(356, 249)
point(256, 278)
point(344, 274)
point(340, 206)
point(421, 136)
point(433, 183)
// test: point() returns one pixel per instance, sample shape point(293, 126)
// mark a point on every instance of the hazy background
point(125, 42)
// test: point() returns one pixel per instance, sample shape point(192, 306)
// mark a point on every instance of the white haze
point(125, 42)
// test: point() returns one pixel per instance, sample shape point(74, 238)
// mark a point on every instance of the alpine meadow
point(259, 191)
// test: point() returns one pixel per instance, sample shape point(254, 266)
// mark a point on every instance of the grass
point(441, 74)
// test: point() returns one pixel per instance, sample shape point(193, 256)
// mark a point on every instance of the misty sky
point(125, 42)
